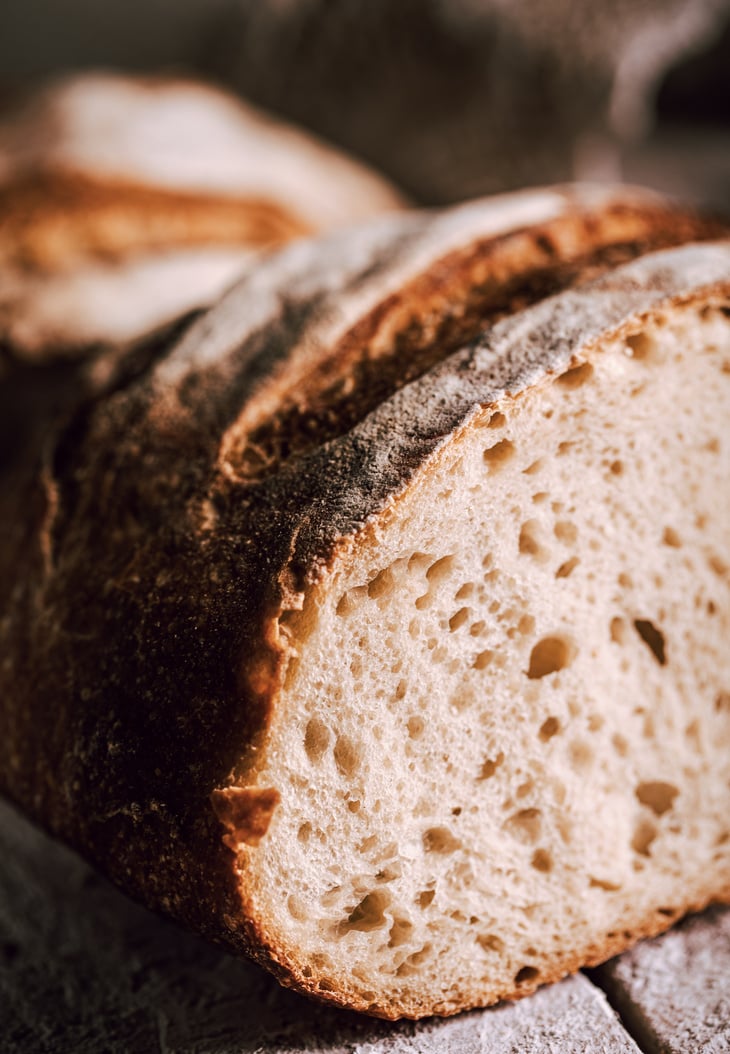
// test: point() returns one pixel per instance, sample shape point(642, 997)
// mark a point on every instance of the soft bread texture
point(124, 202)
point(502, 747)
point(409, 681)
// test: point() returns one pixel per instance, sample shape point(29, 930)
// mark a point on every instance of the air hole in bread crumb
point(722, 703)
point(527, 973)
point(350, 600)
point(718, 566)
point(331, 896)
point(566, 532)
point(576, 376)
point(416, 726)
point(653, 638)
point(625, 581)
point(603, 883)
point(644, 834)
point(534, 468)
point(490, 942)
point(316, 739)
point(525, 825)
point(465, 591)
point(382, 585)
point(369, 843)
point(418, 562)
point(498, 455)
point(483, 659)
point(497, 420)
point(657, 795)
point(671, 538)
point(566, 569)
point(459, 618)
point(549, 655)
point(490, 766)
point(440, 840)
point(425, 897)
point(347, 756)
point(390, 873)
point(305, 832)
point(412, 963)
point(530, 543)
point(581, 755)
point(620, 745)
point(542, 860)
point(641, 346)
point(400, 932)
point(668, 913)
point(297, 908)
point(369, 913)
point(595, 722)
point(549, 728)
point(440, 569)
point(618, 630)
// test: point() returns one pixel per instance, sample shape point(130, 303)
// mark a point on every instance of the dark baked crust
point(147, 569)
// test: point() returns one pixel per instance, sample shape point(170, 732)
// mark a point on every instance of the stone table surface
point(85, 970)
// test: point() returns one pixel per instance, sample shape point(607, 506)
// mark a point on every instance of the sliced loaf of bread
point(379, 626)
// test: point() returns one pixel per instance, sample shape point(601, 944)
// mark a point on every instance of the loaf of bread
point(377, 625)
point(125, 202)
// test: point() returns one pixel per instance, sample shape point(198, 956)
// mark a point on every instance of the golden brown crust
point(245, 812)
point(438, 311)
point(52, 219)
point(140, 628)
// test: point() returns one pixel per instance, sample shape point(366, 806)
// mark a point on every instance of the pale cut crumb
point(505, 740)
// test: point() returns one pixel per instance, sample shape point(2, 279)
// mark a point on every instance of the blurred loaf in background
point(450, 98)
point(125, 202)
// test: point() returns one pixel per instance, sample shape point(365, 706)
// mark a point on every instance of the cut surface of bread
point(410, 683)
point(502, 745)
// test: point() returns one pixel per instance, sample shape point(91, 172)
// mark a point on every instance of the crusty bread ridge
point(157, 607)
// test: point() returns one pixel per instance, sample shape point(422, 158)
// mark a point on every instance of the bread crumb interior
point(506, 737)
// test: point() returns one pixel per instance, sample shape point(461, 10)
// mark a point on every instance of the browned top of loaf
point(52, 219)
point(147, 562)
